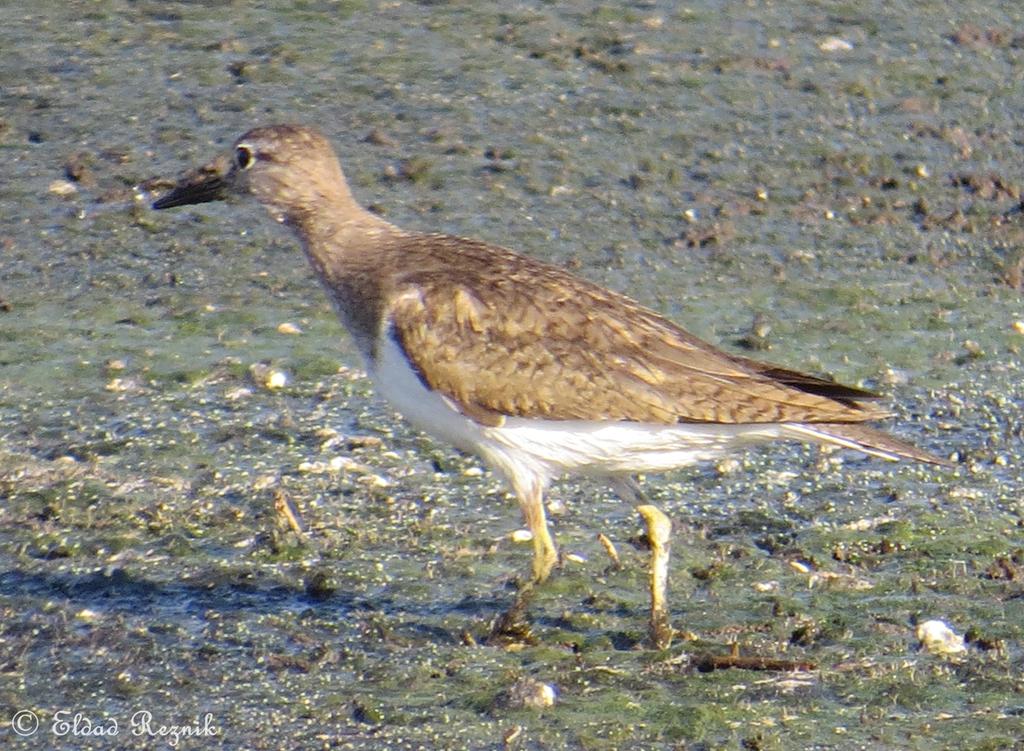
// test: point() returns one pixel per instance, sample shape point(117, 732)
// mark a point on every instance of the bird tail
point(860, 438)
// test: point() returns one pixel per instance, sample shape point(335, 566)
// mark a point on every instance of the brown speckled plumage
point(512, 336)
point(504, 336)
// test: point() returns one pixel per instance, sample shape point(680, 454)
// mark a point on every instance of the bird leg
point(659, 533)
point(545, 554)
point(513, 624)
point(628, 489)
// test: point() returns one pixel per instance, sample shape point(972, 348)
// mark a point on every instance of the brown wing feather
point(513, 336)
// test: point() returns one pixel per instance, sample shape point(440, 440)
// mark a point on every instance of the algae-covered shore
point(835, 185)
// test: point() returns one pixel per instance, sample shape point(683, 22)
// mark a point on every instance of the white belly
point(612, 448)
point(425, 409)
point(546, 448)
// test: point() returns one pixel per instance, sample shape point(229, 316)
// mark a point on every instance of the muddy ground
point(832, 186)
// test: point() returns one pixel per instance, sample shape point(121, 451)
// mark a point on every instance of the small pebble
point(895, 377)
point(557, 507)
point(374, 481)
point(339, 463)
point(528, 693)
point(88, 616)
point(939, 639)
point(288, 328)
point(973, 349)
point(800, 567)
point(267, 376)
point(834, 44)
point(728, 466)
point(263, 482)
point(63, 188)
point(121, 385)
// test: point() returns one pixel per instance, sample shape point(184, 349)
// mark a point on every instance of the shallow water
point(713, 162)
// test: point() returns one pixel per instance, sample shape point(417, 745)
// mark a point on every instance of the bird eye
point(243, 157)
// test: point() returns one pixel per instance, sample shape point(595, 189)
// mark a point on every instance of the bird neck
point(349, 252)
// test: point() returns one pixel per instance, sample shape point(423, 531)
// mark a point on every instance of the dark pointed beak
point(208, 183)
